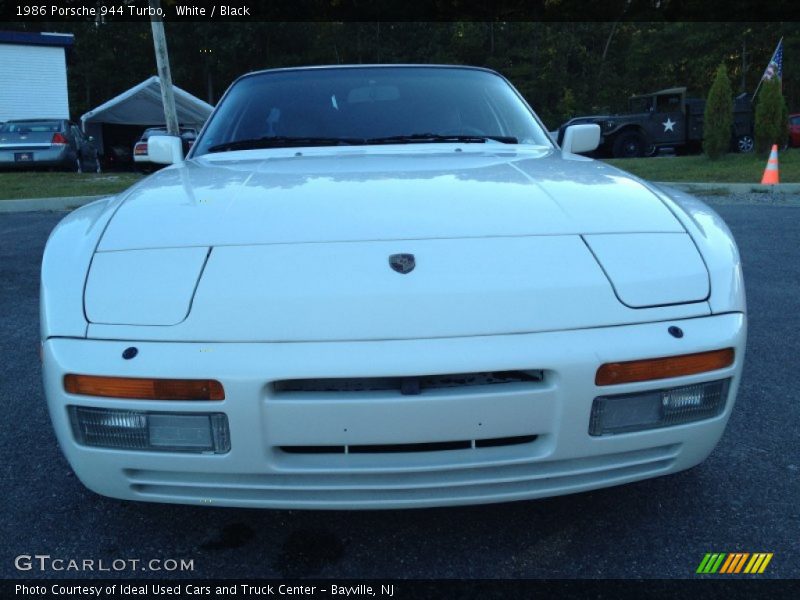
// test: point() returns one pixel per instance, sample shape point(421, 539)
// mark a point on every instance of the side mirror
point(581, 138)
point(165, 149)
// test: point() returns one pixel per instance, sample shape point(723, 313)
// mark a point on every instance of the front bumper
point(563, 458)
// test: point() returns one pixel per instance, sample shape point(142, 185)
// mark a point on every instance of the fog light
point(657, 408)
point(156, 431)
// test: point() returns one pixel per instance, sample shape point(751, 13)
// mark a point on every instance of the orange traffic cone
point(771, 173)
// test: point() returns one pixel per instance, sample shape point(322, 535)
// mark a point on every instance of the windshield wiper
point(434, 138)
point(283, 141)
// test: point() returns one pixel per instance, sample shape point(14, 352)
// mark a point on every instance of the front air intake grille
point(423, 447)
point(408, 386)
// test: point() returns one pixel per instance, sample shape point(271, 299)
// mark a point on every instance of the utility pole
point(162, 61)
point(744, 66)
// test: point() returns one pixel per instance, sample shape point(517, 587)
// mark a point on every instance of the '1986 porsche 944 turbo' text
point(374, 287)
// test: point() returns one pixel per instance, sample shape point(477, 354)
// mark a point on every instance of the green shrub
point(770, 126)
point(718, 117)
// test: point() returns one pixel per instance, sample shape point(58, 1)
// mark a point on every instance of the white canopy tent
point(141, 106)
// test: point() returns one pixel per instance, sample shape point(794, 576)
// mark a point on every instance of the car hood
point(297, 245)
point(390, 193)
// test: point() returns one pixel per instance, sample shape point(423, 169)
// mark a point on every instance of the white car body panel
point(522, 249)
point(581, 138)
point(651, 269)
point(345, 291)
point(70, 249)
point(143, 287)
point(165, 149)
point(717, 247)
point(258, 267)
point(255, 473)
point(389, 193)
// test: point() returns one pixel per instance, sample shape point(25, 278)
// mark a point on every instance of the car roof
point(34, 120)
point(366, 66)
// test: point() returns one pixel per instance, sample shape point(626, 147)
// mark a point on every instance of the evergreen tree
point(718, 118)
point(770, 125)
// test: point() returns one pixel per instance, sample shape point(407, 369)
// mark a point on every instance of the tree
point(770, 126)
point(718, 118)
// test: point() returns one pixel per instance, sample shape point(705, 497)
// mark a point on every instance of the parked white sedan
point(385, 286)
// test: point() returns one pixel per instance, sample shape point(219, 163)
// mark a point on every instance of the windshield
point(31, 127)
point(369, 105)
point(640, 104)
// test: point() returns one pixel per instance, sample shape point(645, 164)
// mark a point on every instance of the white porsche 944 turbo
point(386, 286)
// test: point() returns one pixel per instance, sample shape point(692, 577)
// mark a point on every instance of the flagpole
point(758, 87)
point(780, 41)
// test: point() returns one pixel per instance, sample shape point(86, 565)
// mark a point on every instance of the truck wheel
point(744, 144)
point(629, 145)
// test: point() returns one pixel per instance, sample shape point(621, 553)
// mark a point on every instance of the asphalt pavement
point(744, 498)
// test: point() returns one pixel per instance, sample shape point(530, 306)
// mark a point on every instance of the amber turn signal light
point(663, 368)
point(144, 389)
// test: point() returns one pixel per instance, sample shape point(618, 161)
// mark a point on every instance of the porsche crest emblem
point(402, 263)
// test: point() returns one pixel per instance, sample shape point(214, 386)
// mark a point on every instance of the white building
point(33, 76)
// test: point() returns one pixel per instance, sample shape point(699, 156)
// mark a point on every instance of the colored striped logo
point(735, 562)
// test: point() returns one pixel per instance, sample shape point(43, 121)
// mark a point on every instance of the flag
point(775, 67)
